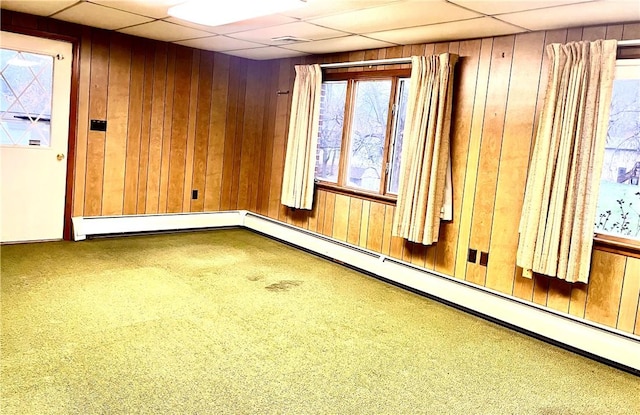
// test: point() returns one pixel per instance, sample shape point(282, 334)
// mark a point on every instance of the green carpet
point(230, 322)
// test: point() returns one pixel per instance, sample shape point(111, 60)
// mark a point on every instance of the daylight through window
point(618, 211)
point(361, 128)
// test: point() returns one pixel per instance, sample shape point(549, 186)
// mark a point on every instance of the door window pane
point(398, 135)
point(26, 84)
point(332, 103)
point(367, 135)
point(618, 211)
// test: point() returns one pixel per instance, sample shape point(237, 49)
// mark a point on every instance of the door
point(35, 82)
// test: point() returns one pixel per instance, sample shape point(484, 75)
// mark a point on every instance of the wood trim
point(387, 73)
point(617, 245)
point(374, 197)
point(73, 114)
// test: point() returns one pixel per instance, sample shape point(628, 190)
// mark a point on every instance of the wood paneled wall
point(181, 119)
point(499, 92)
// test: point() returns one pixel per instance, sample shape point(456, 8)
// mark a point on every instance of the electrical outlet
point(484, 258)
point(473, 255)
point(194, 194)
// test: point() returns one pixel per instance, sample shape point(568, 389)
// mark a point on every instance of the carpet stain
point(284, 285)
point(255, 277)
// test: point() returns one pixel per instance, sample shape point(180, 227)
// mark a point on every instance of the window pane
point(618, 210)
point(26, 81)
point(367, 138)
point(398, 135)
point(332, 103)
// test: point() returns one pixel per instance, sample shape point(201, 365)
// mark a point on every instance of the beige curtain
point(556, 228)
point(300, 159)
point(425, 152)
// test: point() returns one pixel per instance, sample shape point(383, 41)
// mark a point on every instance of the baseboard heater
point(592, 339)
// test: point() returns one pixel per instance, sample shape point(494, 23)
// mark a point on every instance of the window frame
point(341, 186)
point(616, 243)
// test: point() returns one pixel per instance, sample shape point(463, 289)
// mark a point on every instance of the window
point(361, 129)
point(618, 212)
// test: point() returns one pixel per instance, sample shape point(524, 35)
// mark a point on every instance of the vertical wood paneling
point(603, 298)
point(134, 135)
point(160, 74)
point(97, 110)
point(341, 217)
point(117, 114)
point(191, 133)
point(201, 145)
point(147, 105)
point(354, 213)
point(477, 116)
point(167, 136)
point(179, 129)
point(464, 94)
point(630, 296)
point(490, 150)
point(518, 128)
point(376, 227)
point(217, 133)
point(82, 129)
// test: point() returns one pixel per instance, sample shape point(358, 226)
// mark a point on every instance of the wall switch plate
point(98, 125)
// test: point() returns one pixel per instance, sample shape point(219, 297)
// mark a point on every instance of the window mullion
point(346, 129)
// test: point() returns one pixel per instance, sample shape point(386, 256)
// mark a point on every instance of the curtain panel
point(556, 227)
point(426, 148)
point(300, 159)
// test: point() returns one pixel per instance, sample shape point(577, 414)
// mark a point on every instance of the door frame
point(73, 105)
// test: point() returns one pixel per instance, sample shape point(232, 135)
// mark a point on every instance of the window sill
point(617, 245)
point(333, 188)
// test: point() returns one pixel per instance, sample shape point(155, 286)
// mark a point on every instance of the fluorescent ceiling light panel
point(210, 13)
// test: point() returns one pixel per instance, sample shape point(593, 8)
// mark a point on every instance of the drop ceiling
point(326, 26)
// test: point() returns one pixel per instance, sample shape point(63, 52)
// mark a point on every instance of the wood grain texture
point(180, 116)
point(147, 105)
point(156, 139)
point(191, 133)
point(96, 139)
point(134, 132)
point(603, 297)
point(201, 145)
point(630, 296)
point(490, 151)
point(82, 129)
point(512, 175)
point(167, 127)
point(217, 133)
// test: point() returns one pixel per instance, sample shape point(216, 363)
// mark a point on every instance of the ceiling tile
point(583, 14)
point(39, 8)
point(99, 16)
point(269, 52)
point(298, 29)
point(317, 8)
point(395, 16)
point(341, 44)
point(467, 29)
point(510, 6)
point(152, 8)
point(219, 43)
point(165, 31)
point(251, 24)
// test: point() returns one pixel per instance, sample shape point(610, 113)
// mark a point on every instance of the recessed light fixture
point(212, 13)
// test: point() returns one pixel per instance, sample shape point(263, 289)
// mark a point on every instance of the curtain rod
point(393, 61)
point(625, 43)
point(396, 61)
